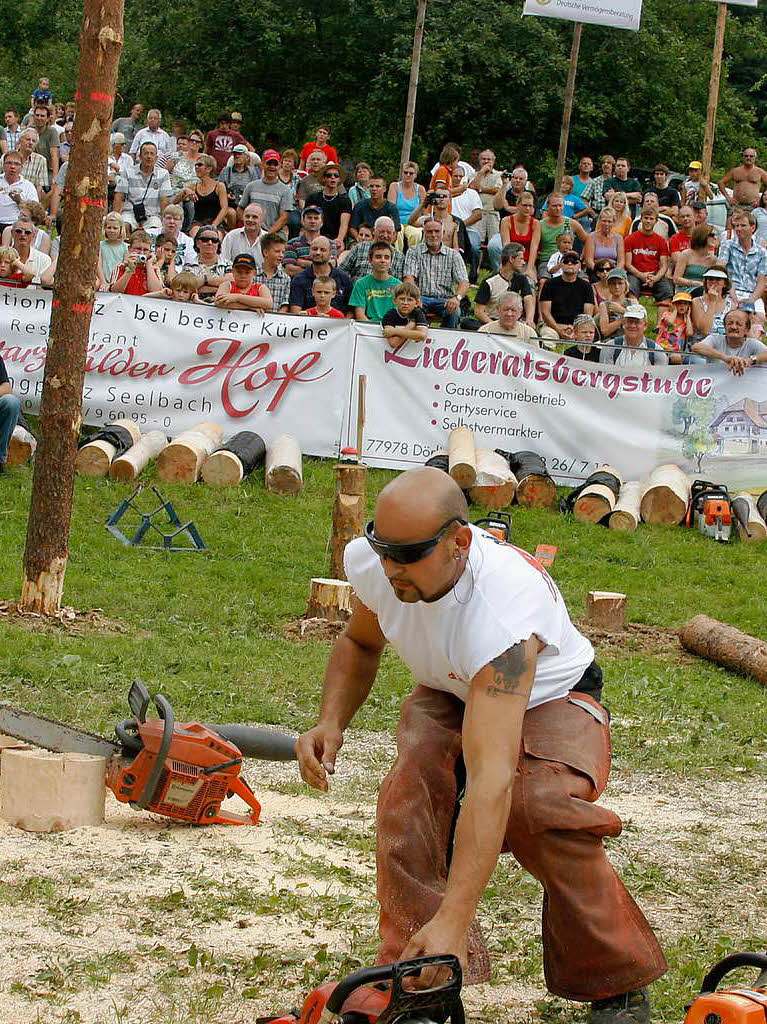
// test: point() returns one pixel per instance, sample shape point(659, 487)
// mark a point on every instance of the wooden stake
point(44, 792)
point(85, 203)
point(127, 466)
point(568, 107)
point(606, 610)
point(726, 646)
point(330, 599)
point(361, 393)
point(713, 100)
point(348, 513)
point(412, 90)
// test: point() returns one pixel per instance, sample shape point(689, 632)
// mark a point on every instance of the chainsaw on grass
point(710, 510)
point(377, 995)
point(181, 770)
point(736, 1005)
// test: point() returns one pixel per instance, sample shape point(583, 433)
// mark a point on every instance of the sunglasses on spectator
point(600, 270)
point(272, 163)
point(406, 554)
point(207, 238)
point(571, 259)
point(22, 231)
point(200, 163)
point(332, 174)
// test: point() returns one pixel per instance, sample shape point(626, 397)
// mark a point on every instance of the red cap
point(270, 154)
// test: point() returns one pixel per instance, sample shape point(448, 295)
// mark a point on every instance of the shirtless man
point(749, 180)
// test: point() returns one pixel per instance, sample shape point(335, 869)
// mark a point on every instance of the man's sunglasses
point(405, 554)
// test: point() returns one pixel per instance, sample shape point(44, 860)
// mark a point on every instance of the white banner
point(615, 13)
point(577, 415)
point(742, 3)
point(169, 365)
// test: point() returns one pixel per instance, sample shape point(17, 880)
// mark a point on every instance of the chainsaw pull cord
point(165, 711)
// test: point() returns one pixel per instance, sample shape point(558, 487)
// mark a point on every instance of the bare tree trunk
point(45, 556)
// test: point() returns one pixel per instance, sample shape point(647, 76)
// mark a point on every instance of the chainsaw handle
point(261, 744)
point(398, 973)
point(165, 711)
point(730, 963)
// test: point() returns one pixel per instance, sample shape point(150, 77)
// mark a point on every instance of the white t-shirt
point(39, 262)
point(504, 596)
point(465, 204)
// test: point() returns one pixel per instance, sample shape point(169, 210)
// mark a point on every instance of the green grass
point(207, 629)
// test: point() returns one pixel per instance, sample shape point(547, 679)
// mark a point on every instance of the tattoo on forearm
point(508, 669)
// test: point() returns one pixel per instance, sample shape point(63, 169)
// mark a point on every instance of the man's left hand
point(436, 938)
point(452, 304)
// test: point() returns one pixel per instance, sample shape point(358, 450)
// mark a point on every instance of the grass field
point(209, 631)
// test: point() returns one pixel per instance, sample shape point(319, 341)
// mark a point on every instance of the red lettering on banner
point(260, 374)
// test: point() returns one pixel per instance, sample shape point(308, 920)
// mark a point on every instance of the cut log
point(283, 465)
point(761, 505)
point(462, 457)
point(21, 446)
point(129, 465)
point(606, 610)
point(348, 513)
point(751, 526)
point(495, 485)
point(726, 646)
point(234, 460)
point(535, 488)
point(330, 599)
point(95, 457)
point(597, 495)
point(182, 460)
point(44, 792)
point(439, 460)
point(666, 497)
point(625, 515)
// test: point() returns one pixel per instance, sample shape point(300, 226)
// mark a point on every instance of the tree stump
point(348, 513)
point(495, 485)
point(181, 462)
point(666, 497)
point(330, 599)
point(44, 792)
point(462, 455)
point(725, 645)
point(283, 465)
point(128, 466)
point(606, 610)
point(625, 515)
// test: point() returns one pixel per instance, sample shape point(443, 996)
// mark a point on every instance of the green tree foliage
point(488, 76)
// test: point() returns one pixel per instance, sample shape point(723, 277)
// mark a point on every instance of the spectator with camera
point(210, 268)
point(435, 206)
point(142, 194)
point(138, 273)
point(236, 176)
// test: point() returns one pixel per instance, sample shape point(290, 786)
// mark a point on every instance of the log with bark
point(348, 513)
point(535, 488)
point(595, 499)
point(330, 599)
point(725, 645)
point(751, 526)
point(228, 465)
point(127, 466)
point(181, 462)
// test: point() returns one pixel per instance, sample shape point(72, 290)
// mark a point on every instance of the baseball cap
point(616, 272)
point(718, 273)
point(694, 165)
point(635, 312)
point(571, 256)
point(116, 137)
point(313, 208)
point(583, 318)
point(239, 148)
point(244, 260)
point(682, 297)
point(271, 154)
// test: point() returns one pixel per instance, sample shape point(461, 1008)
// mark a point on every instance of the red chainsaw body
point(200, 770)
point(367, 1002)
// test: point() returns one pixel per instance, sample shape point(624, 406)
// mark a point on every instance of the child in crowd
point(138, 273)
point(112, 249)
point(13, 273)
point(564, 242)
point(42, 93)
point(243, 291)
point(584, 333)
point(618, 300)
point(323, 290)
point(182, 288)
point(373, 295)
point(675, 329)
point(364, 234)
point(407, 321)
point(165, 249)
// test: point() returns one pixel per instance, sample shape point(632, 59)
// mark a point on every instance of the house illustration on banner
point(741, 428)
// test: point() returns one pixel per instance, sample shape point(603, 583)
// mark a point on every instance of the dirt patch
point(639, 638)
point(317, 629)
point(66, 619)
point(142, 921)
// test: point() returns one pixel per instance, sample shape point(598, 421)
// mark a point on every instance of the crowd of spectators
point(199, 216)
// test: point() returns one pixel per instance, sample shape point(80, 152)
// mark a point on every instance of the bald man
point(507, 704)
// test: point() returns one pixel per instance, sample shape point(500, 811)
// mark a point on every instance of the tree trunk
point(45, 556)
point(725, 645)
point(348, 513)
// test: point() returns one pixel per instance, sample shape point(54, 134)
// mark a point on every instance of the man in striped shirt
point(272, 275)
point(357, 263)
point(440, 274)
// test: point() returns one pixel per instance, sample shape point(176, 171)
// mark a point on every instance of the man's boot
point(629, 1008)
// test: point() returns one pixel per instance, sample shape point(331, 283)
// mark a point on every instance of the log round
point(182, 460)
point(598, 495)
point(761, 505)
point(330, 599)
point(746, 512)
point(126, 467)
point(234, 460)
point(666, 497)
point(95, 457)
point(606, 610)
point(283, 465)
point(21, 446)
point(495, 485)
point(44, 792)
point(462, 454)
point(535, 488)
point(625, 515)
point(726, 646)
point(348, 513)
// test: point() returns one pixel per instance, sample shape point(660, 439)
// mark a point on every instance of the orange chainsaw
point(180, 770)
point(736, 1005)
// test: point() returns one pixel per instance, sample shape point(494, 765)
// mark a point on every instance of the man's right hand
point(316, 751)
